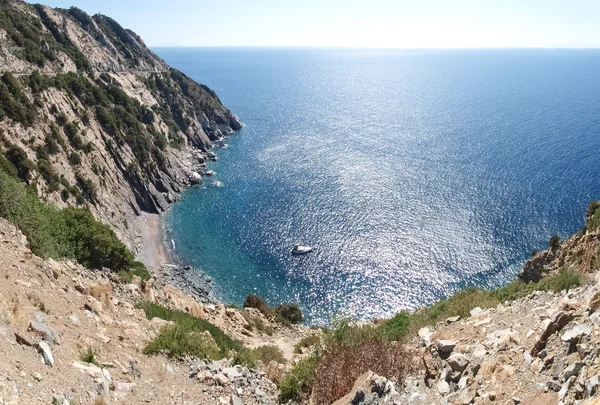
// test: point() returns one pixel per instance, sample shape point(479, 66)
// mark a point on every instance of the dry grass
point(339, 368)
point(100, 401)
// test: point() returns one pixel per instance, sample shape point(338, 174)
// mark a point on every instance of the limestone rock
point(44, 350)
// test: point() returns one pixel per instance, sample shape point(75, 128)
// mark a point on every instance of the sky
point(356, 23)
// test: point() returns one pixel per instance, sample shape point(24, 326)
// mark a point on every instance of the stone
point(527, 359)
point(431, 364)
point(93, 305)
point(443, 387)
point(592, 385)
point(467, 396)
point(594, 302)
point(359, 396)
point(425, 334)
point(231, 373)
point(559, 321)
point(476, 312)
point(44, 350)
point(453, 319)
point(565, 388)
point(37, 376)
point(235, 400)
point(221, 379)
point(125, 387)
point(458, 362)
point(44, 331)
point(573, 335)
point(445, 346)
point(378, 385)
point(571, 371)
point(100, 290)
point(74, 319)
point(23, 340)
point(552, 386)
point(540, 397)
point(359, 391)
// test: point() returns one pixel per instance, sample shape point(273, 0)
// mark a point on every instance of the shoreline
point(164, 264)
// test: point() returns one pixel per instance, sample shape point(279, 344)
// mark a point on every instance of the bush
point(554, 241)
point(74, 159)
point(343, 362)
point(89, 356)
point(262, 354)
point(289, 313)
point(187, 327)
point(20, 161)
point(397, 327)
point(179, 340)
point(308, 341)
point(73, 233)
point(137, 269)
point(297, 384)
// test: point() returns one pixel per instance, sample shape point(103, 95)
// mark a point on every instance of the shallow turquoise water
point(412, 173)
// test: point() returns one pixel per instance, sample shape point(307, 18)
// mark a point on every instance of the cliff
point(92, 117)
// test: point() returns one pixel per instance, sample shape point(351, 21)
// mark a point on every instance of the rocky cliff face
point(90, 115)
point(579, 252)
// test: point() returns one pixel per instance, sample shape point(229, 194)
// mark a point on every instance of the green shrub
point(289, 313)
point(308, 341)
point(73, 233)
point(89, 356)
point(74, 159)
point(554, 241)
point(262, 354)
point(137, 269)
point(20, 161)
point(178, 341)
point(396, 327)
point(186, 324)
point(297, 384)
point(8, 167)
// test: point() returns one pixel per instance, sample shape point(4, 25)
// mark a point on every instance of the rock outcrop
point(104, 121)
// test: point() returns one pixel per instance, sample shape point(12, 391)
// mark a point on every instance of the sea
point(412, 173)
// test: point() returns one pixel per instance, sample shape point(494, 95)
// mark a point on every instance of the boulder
point(458, 362)
point(559, 321)
point(445, 346)
point(39, 327)
point(571, 370)
point(573, 335)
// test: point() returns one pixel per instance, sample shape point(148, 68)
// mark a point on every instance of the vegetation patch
point(464, 301)
point(305, 342)
point(260, 355)
point(88, 355)
point(178, 340)
point(72, 232)
point(286, 314)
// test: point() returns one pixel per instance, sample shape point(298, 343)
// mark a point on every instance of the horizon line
point(384, 48)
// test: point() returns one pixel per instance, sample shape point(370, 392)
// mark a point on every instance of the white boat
point(301, 250)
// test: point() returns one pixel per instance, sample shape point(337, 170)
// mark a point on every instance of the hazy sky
point(356, 23)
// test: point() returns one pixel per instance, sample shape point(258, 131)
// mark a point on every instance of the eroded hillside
point(91, 117)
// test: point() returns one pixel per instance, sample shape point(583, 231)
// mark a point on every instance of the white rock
point(445, 346)
point(576, 333)
point(46, 353)
point(443, 387)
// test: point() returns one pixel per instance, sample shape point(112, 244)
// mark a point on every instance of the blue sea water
point(412, 173)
